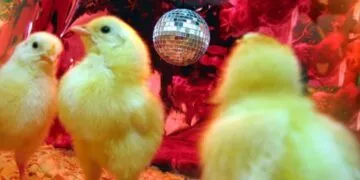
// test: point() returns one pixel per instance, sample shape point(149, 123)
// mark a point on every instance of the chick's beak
point(50, 57)
point(81, 30)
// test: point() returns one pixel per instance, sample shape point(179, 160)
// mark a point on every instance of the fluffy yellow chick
point(28, 96)
point(105, 104)
point(264, 129)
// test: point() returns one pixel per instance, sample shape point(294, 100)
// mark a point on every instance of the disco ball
point(181, 37)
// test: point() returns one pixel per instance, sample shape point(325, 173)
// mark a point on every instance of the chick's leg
point(91, 169)
point(28, 148)
point(124, 174)
point(21, 167)
point(21, 157)
point(124, 168)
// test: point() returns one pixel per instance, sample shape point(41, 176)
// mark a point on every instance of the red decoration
point(17, 27)
point(275, 18)
point(341, 105)
point(237, 20)
point(322, 61)
point(214, 56)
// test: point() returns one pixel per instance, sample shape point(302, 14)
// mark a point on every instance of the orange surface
point(56, 164)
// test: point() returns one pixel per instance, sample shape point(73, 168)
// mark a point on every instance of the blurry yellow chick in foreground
point(264, 129)
point(28, 96)
point(105, 104)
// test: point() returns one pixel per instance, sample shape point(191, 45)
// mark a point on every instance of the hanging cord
point(188, 6)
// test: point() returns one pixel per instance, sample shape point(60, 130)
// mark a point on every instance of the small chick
point(264, 129)
point(105, 103)
point(28, 96)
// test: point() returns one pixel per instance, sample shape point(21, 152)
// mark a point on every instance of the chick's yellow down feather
point(105, 104)
point(28, 95)
point(264, 129)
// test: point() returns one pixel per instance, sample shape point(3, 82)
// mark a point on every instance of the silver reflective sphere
point(181, 37)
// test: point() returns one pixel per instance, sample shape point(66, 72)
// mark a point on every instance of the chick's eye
point(35, 45)
point(105, 29)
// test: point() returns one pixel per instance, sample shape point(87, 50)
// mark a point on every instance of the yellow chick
point(106, 105)
point(264, 129)
point(28, 96)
